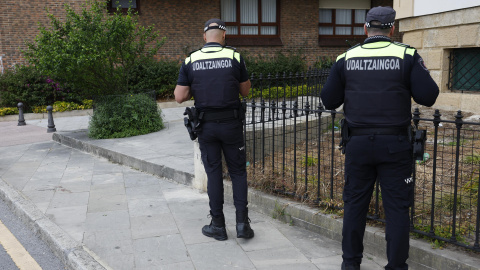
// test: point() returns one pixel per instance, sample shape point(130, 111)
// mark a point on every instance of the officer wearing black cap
point(215, 76)
point(375, 82)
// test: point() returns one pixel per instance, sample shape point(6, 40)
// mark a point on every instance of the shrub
point(29, 86)
point(92, 49)
point(160, 76)
point(324, 62)
point(8, 111)
point(62, 106)
point(124, 116)
point(292, 62)
point(279, 92)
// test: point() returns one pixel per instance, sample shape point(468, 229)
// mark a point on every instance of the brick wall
point(180, 21)
point(18, 23)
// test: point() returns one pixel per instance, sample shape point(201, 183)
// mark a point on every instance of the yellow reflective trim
point(187, 60)
point(340, 56)
point(410, 51)
point(389, 49)
point(211, 53)
point(237, 56)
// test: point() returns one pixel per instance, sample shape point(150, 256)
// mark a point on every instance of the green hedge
point(62, 106)
point(8, 111)
point(27, 85)
point(282, 62)
point(125, 116)
point(160, 76)
point(280, 92)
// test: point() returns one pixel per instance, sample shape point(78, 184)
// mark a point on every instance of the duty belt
point(377, 131)
point(219, 116)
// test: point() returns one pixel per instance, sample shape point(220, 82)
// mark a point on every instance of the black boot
point(243, 225)
point(216, 229)
point(353, 266)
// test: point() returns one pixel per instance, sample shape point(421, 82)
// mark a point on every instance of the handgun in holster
point(419, 138)
point(345, 135)
point(192, 122)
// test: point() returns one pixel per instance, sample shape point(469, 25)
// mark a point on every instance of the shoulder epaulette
point(190, 53)
point(353, 47)
point(402, 44)
point(230, 47)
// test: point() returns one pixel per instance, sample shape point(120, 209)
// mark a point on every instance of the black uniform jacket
point(375, 81)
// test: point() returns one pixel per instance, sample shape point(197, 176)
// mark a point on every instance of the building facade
point(447, 36)
point(313, 28)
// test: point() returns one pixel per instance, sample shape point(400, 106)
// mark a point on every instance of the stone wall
point(435, 36)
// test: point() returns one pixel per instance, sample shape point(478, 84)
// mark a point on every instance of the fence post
point(307, 112)
point(21, 120)
point(458, 124)
point(436, 123)
point(416, 120)
point(319, 147)
point(273, 109)
point(333, 113)
point(51, 125)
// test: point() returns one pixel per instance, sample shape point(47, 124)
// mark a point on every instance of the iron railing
point(292, 149)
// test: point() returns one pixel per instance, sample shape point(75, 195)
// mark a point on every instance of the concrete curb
point(116, 157)
point(72, 254)
point(422, 256)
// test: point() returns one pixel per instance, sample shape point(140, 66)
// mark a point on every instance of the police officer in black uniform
point(375, 82)
point(215, 75)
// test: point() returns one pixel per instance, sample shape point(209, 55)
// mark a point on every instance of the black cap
point(220, 25)
point(385, 15)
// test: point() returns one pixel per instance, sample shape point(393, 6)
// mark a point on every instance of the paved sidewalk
point(134, 220)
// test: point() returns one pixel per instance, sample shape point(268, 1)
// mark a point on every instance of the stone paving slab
point(136, 212)
point(154, 223)
point(12, 134)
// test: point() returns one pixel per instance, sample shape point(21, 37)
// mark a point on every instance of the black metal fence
point(292, 149)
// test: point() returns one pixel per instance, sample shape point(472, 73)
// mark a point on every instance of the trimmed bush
point(28, 85)
point(8, 111)
point(160, 76)
point(279, 92)
point(62, 106)
point(125, 116)
point(291, 62)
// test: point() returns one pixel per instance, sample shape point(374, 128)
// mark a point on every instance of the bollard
point(21, 120)
point(51, 125)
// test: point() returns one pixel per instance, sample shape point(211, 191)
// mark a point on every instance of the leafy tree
point(92, 50)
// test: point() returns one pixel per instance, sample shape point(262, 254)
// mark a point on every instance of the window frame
point(112, 9)
point(457, 66)
point(340, 40)
point(255, 40)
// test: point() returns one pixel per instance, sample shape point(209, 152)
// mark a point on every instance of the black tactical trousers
point(387, 158)
point(214, 138)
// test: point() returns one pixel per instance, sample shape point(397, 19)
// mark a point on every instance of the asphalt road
point(37, 249)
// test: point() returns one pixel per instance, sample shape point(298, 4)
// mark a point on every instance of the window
point(464, 69)
point(123, 4)
point(251, 21)
point(337, 26)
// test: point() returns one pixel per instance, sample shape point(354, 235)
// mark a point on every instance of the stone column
point(200, 180)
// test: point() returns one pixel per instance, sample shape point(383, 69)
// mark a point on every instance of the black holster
point(192, 121)
point(419, 138)
point(345, 135)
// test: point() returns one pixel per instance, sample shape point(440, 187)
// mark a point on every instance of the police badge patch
point(422, 64)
